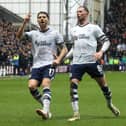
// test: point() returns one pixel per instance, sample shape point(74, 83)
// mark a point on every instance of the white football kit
point(85, 40)
point(44, 46)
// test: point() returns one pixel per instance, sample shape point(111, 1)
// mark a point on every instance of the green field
point(17, 107)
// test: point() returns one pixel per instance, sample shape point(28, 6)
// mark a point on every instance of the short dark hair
point(85, 8)
point(43, 12)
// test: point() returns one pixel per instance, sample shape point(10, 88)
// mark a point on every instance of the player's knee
point(32, 86)
point(46, 82)
point(72, 81)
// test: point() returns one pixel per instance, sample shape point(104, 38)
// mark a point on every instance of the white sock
point(46, 105)
point(75, 106)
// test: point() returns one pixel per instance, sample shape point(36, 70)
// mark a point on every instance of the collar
point(44, 30)
point(83, 24)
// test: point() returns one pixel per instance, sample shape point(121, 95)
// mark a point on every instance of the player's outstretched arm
point(21, 28)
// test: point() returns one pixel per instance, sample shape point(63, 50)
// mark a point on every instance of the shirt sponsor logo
point(80, 36)
point(42, 43)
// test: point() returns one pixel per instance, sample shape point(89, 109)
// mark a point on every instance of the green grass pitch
point(17, 107)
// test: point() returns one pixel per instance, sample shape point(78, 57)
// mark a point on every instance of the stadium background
point(15, 56)
point(17, 107)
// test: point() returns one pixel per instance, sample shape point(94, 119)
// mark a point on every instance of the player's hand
point(56, 62)
point(27, 18)
point(98, 55)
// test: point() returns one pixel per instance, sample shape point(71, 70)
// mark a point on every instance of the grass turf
point(17, 107)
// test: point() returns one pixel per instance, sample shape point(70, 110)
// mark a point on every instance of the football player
point(45, 42)
point(85, 37)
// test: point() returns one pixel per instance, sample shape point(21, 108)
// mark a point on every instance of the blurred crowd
point(12, 51)
point(18, 52)
point(115, 28)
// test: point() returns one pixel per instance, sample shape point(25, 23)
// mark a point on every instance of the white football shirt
point(44, 46)
point(84, 39)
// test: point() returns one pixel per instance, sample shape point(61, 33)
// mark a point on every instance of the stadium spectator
point(9, 45)
point(115, 27)
point(85, 37)
point(15, 61)
point(44, 49)
point(122, 66)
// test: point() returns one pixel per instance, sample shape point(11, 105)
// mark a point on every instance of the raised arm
point(21, 28)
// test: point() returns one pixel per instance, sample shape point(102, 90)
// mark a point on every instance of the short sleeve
point(98, 32)
point(59, 38)
point(28, 34)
